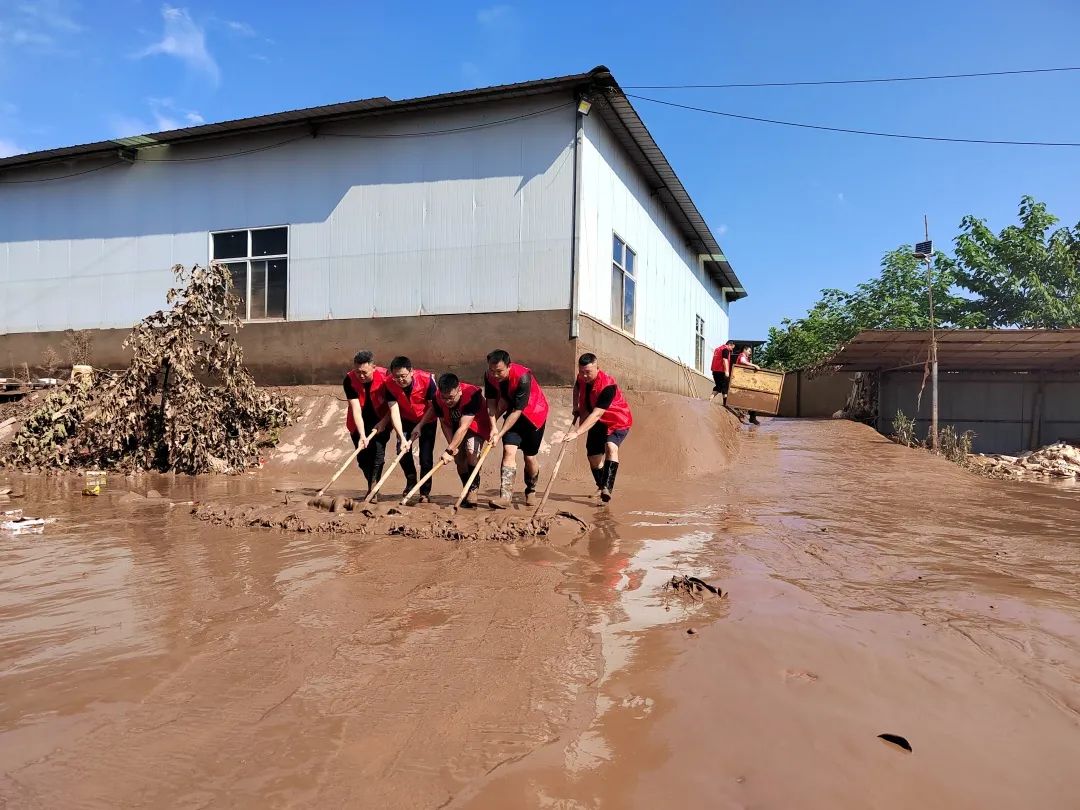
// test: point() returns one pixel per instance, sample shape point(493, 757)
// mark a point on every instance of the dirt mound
point(394, 521)
point(1059, 460)
point(673, 438)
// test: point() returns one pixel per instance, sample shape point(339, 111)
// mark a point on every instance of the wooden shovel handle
point(344, 466)
point(441, 462)
point(476, 471)
point(551, 481)
point(397, 460)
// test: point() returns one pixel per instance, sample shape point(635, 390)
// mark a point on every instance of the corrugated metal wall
point(671, 285)
point(380, 225)
point(999, 408)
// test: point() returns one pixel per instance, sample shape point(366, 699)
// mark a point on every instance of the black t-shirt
point(368, 409)
point(521, 398)
point(607, 396)
point(474, 405)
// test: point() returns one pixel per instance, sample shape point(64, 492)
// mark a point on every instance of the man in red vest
point(465, 424)
point(746, 358)
point(409, 391)
point(512, 391)
point(721, 370)
point(364, 391)
point(602, 413)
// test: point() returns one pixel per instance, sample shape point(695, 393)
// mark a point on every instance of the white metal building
point(440, 227)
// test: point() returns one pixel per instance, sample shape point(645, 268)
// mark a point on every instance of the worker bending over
point(409, 391)
point(466, 425)
point(365, 392)
point(512, 391)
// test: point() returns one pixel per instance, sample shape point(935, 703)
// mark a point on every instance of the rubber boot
point(376, 474)
point(612, 468)
point(506, 485)
point(530, 489)
point(410, 482)
point(597, 474)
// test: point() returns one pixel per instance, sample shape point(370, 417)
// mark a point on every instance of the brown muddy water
point(149, 659)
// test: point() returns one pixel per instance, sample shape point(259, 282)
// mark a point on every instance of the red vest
point(721, 360)
point(378, 401)
point(536, 409)
point(413, 406)
point(481, 425)
point(617, 416)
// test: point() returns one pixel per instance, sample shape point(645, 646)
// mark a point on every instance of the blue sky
point(795, 210)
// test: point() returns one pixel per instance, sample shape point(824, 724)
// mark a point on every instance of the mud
point(152, 658)
point(479, 525)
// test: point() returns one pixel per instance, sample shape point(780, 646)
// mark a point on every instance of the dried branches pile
point(185, 403)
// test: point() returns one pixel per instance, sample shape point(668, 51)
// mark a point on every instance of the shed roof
point(963, 350)
point(598, 84)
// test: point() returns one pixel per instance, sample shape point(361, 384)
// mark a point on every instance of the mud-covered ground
point(149, 658)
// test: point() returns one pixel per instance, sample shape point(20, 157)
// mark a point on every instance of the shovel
point(551, 481)
point(344, 466)
point(407, 448)
point(421, 482)
point(472, 476)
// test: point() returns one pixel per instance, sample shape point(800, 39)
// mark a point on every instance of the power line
point(883, 80)
point(287, 141)
point(847, 130)
point(63, 176)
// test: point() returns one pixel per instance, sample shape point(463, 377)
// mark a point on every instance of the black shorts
point(720, 382)
point(598, 437)
point(525, 436)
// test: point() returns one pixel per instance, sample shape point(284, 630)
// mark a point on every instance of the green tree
point(1027, 276)
point(895, 299)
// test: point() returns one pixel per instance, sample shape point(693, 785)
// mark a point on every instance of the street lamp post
point(925, 251)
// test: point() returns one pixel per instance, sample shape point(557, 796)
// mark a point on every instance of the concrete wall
point(316, 352)
point(672, 286)
point(816, 397)
point(380, 224)
point(634, 365)
point(999, 408)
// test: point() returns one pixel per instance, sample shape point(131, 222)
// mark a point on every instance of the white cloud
point(185, 40)
point(259, 57)
point(9, 148)
point(494, 15)
point(194, 118)
point(722, 229)
point(51, 13)
point(124, 126)
point(38, 26)
point(840, 196)
point(241, 28)
point(164, 115)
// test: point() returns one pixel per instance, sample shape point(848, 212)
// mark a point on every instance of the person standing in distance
point(746, 359)
point(721, 370)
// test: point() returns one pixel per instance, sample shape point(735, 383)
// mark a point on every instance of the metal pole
point(933, 348)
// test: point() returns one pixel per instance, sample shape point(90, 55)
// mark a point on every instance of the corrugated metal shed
point(963, 350)
point(598, 84)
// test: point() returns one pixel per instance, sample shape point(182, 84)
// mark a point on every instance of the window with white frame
point(699, 343)
point(623, 284)
point(258, 260)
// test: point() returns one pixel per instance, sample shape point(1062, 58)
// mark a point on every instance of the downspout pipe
point(575, 229)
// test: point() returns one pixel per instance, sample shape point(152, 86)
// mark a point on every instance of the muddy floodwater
point(152, 659)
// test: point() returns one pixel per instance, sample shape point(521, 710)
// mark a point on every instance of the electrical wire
point(884, 80)
point(287, 141)
point(452, 130)
point(61, 177)
point(848, 130)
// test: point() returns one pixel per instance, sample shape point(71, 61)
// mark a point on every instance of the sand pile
point(1058, 460)
point(430, 522)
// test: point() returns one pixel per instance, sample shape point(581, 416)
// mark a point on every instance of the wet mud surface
point(175, 651)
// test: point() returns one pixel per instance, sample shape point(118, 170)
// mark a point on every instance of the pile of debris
point(185, 403)
point(1058, 460)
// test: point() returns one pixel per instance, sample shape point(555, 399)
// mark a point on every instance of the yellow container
point(93, 482)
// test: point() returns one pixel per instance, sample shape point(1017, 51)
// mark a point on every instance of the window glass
point(616, 295)
point(270, 242)
point(628, 304)
point(617, 250)
point(629, 261)
point(231, 245)
point(277, 287)
point(238, 272)
point(258, 291)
